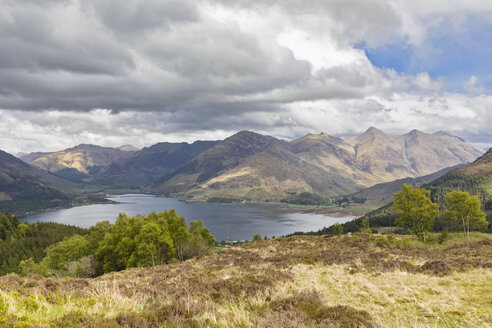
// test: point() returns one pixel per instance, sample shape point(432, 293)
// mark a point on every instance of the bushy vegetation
point(478, 186)
point(21, 241)
point(307, 198)
point(459, 212)
point(138, 241)
point(223, 200)
point(465, 209)
point(415, 210)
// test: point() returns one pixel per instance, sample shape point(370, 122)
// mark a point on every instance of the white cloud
point(472, 87)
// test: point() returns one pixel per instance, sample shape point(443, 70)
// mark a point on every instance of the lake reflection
point(225, 221)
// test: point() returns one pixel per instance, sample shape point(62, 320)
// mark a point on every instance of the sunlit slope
point(77, 163)
point(304, 281)
point(254, 167)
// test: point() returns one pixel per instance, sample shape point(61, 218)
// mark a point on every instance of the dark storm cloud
point(38, 38)
point(132, 17)
point(132, 55)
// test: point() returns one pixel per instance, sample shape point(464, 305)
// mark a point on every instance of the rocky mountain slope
point(150, 164)
point(255, 167)
point(23, 186)
point(80, 162)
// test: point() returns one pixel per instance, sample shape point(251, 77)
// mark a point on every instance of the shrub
point(364, 226)
point(86, 267)
point(443, 236)
point(337, 229)
point(381, 241)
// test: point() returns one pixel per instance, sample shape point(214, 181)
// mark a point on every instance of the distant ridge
point(128, 148)
point(24, 187)
point(78, 163)
point(254, 167)
point(150, 164)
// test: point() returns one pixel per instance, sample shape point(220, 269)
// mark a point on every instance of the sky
point(143, 71)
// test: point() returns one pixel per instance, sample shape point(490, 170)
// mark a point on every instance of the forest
point(59, 250)
point(385, 217)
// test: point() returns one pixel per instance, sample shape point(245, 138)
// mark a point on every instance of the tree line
point(20, 241)
point(416, 212)
point(413, 211)
point(137, 241)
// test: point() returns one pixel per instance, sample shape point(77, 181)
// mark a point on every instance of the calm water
point(226, 221)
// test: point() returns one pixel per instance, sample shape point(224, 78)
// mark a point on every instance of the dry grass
point(304, 281)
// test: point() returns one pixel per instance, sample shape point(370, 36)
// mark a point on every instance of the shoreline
point(280, 206)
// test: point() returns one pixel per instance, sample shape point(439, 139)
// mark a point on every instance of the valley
point(226, 221)
point(249, 167)
point(137, 263)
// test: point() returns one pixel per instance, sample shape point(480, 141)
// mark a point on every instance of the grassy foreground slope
point(353, 280)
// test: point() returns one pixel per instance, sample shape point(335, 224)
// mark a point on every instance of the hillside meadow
point(352, 280)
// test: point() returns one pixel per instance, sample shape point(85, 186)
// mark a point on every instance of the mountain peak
point(415, 132)
point(443, 133)
point(322, 135)
point(84, 147)
point(250, 139)
point(246, 133)
point(128, 148)
point(373, 131)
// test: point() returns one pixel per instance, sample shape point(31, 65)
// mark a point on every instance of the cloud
point(142, 71)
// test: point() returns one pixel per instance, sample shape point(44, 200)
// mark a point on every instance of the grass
point(303, 281)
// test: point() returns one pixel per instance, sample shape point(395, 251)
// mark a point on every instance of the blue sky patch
point(453, 52)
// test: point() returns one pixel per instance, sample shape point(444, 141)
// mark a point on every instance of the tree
point(182, 240)
point(415, 210)
point(257, 237)
point(22, 230)
point(466, 210)
point(337, 229)
point(364, 226)
point(28, 266)
point(155, 245)
point(59, 255)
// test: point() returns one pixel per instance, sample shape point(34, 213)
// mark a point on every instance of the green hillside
point(475, 179)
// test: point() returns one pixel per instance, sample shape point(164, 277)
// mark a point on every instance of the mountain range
point(256, 167)
point(246, 166)
point(150, 164)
